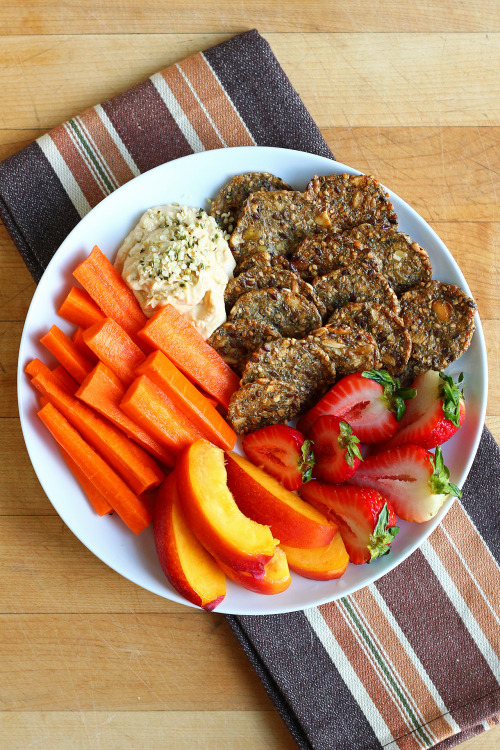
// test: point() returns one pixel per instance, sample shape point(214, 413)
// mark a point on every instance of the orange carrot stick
point(158, 368)
point(66, 353)
point(135, 512)
point(79, 342)
point(147, 405)
point(107, 288)
point(209, 398)
point(136, 467)
point(79, 308)
point(103, 391)
point(113, 346)
point(96, 498)
point(36, 366)
point(173, 335)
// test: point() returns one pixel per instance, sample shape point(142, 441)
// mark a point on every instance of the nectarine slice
point(213, 515)
point(276, 578)
point(261, 497)
point(320, 564)
point(187, 565)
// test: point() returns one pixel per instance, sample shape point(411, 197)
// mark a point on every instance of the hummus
point(178, 255)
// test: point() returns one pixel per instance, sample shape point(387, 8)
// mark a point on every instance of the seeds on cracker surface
point(262, 259)
point(300, 362)
point(350, 348)
point(236, 340)
point(386, 327)
point(440, 320)
point(318, 254)
point(228, 205)
point(261, 403)
point(275, 222)
point(403, 262)
point(263, 277)
point(350, 200)
point(354, 284)
point(291, 313)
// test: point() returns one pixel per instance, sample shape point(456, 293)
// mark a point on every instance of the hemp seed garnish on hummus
point(178, 255)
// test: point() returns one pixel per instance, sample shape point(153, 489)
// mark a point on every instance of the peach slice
point(263, 498)
point(213, 515)
point(320, 564)
point(187, 565)
point(276, 575)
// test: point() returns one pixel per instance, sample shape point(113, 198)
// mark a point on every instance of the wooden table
point(406, 91)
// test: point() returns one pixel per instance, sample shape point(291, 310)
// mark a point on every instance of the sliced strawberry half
point(336, 449)
point(366, 521)
point(434, 415)
point(283, 452)
point(415, 481)
point(371, 402)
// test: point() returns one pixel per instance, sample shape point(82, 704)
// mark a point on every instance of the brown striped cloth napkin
point(412, 661)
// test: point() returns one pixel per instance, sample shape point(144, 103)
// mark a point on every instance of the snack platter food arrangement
point(304, 294)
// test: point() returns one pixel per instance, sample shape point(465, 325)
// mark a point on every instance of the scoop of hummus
point(178, 255)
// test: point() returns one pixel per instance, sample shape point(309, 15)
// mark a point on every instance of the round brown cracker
point(228, 205)
point(300, 362)
point(265, 277)
point(386, 327)
point(403, 262)
point(440, 320)
point(354, 284)
point(319, 254)
point(236, 340)
point(262, 403)
point(262, 259)
point(350, 348)
point(291, 313)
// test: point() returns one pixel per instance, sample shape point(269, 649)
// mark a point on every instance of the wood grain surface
point(406, 91)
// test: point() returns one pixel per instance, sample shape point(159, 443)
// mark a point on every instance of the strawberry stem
point(307, 461)
point(394, 395)
point(382, 536)
point(451, 394)
point(438, 481)
point(349, 442)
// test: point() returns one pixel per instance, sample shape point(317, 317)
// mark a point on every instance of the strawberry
point(365, 519)
point(336, 449)
point(434, 415)
point(283, 452)
point(415, 481)
point(371, 402)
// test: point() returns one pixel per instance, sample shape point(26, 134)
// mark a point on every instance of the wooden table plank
point(380, 79)
point(127, 662)
point(148, 730)
point(55, 17)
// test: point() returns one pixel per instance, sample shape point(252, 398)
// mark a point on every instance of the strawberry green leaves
point(439, 479)
point(451, 395)
point(394, 395)
point(349, 442)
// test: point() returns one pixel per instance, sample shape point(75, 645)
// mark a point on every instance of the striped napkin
point(412, 661)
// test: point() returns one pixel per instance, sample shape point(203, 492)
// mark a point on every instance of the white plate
point(191, 180)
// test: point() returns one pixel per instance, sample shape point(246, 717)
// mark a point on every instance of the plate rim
point(172, 595)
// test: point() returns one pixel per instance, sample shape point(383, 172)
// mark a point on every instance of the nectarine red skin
point(292, 520)
point(276, 576)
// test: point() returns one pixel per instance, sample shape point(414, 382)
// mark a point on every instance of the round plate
point(191, 180)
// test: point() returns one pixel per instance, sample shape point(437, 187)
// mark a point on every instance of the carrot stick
point(147, 405)
point(79, 342)
point(136, 467)
point(79, 308)
point(209, 398)
point(113, 346)
point(107, 288)
point(173, 335)
point(36, 366)
point(158, 368)
point(66, 353)
point(135, 512)
point(95, 497)
point(103, 391)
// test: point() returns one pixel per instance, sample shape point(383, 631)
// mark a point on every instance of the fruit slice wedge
point(321, 563)
point(187, 565)
point(261, 497)
point(213, 515)
point(276, 577)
